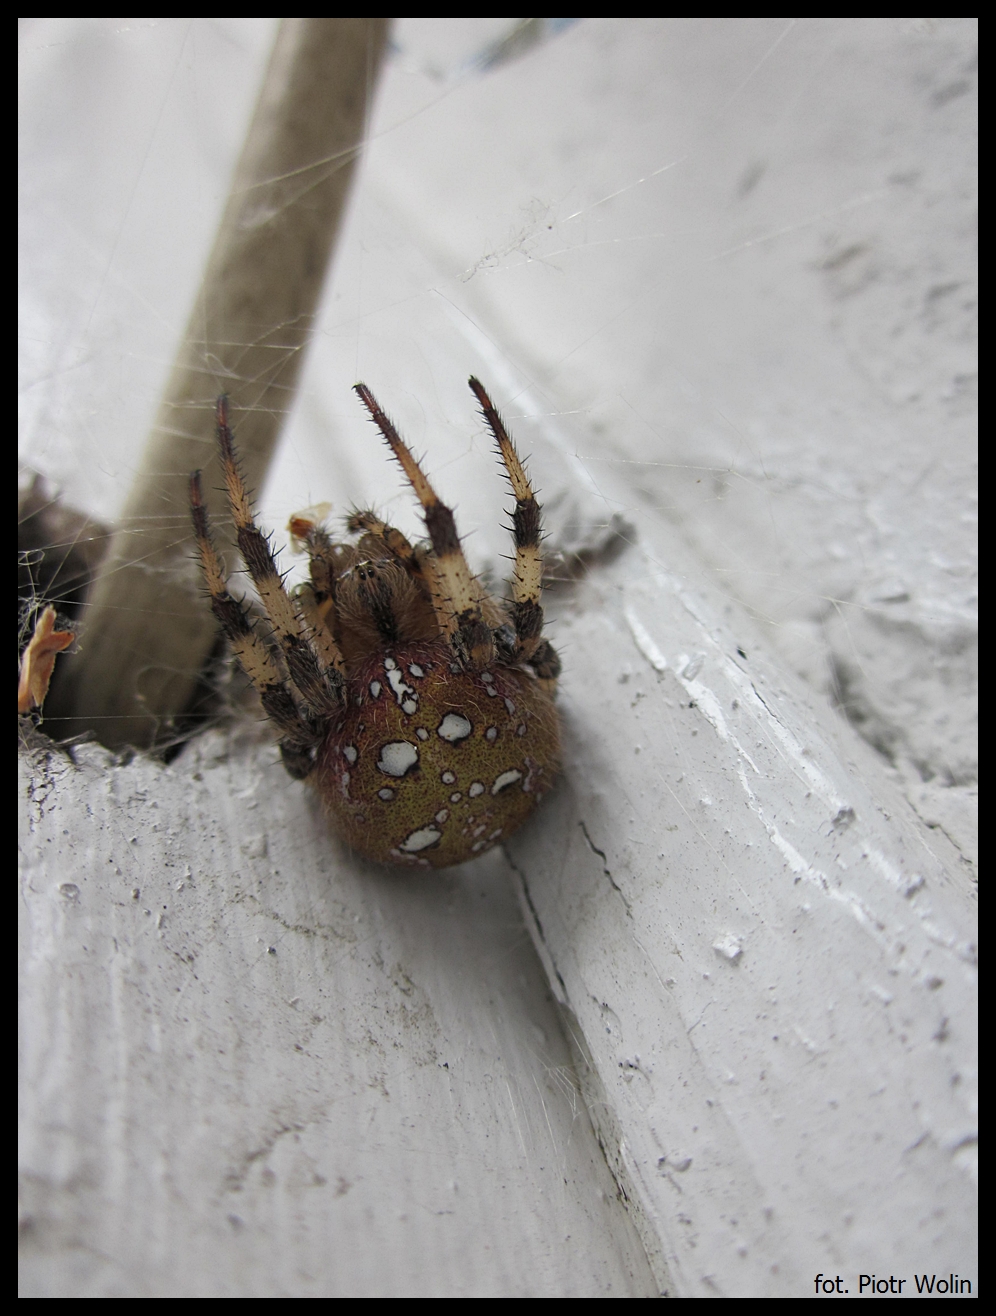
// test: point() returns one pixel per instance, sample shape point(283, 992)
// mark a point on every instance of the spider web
point(728, 262)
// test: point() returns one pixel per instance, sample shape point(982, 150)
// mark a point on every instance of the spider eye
point(367, 568)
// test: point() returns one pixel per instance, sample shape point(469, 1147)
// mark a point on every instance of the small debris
point(728, 946)
point(38, 661)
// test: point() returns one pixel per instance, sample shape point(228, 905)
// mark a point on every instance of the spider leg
point(319, 684)
point(297, 735)
point(527, 577)
point(545, 662)
point(393, 540)
point(314, 601)
point(451, 583)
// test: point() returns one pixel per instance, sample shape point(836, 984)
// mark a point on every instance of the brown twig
point(148, 632)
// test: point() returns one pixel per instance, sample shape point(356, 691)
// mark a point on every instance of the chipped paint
point(708, 703)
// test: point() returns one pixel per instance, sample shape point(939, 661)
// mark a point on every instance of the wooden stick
point(148, 631)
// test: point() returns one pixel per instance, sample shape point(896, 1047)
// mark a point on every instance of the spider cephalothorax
point(420, 707)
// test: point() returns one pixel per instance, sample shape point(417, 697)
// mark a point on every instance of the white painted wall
point(719, 274)
point(253, 1067)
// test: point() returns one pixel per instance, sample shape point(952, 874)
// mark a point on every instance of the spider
point(419, 707)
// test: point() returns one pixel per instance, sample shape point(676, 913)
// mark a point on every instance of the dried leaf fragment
point(38, 661)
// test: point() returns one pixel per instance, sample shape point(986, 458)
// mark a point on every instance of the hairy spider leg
point(455, 596)
point(393, 540)
point(527, 577)
point(297, 735)
point(319, 684)
point(315, 538)
point(314, 600)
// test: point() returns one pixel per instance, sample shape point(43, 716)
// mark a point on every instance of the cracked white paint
point(241, 1043)
point(731, 896)
point(801, 762)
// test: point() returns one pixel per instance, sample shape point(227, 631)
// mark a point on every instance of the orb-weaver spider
point(419, 706)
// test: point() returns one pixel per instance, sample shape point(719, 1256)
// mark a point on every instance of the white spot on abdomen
point(420, 840)
point(375, 688)
point(385, 793)
point(454, 727)
point(476, 788)
point(350, 753)
point(403, 692)
point(506, 779)
point(397, 758)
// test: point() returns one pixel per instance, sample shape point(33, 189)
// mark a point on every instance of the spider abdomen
point(430, 765)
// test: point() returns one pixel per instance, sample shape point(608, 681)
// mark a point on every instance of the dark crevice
point(605, 867)
point(536, 919)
